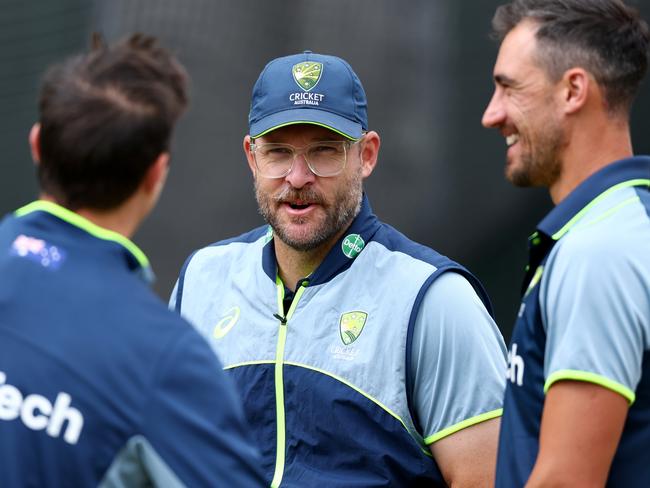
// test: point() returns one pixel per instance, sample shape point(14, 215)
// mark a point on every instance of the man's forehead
point(517, 51)
point(309, 132)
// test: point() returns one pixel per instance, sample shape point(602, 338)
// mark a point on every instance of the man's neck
point(589, 152)
point(294, 265)
point(124, 219)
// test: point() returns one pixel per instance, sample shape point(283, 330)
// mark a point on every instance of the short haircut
point(105, 117)
point(605, 37)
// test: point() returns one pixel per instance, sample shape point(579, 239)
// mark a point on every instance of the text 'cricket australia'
point(306, 98)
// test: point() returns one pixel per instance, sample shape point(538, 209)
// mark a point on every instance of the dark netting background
point(426, 67)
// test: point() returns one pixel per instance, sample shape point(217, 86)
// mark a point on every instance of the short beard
point(346, 205)
point(542, 165)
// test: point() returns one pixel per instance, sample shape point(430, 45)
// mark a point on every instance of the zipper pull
point(283, 320)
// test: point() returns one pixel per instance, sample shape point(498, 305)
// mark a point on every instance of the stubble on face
point(542, 136)
point(303, 233)
point(540, 163)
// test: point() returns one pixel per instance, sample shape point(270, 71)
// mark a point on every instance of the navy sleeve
point(194, 420)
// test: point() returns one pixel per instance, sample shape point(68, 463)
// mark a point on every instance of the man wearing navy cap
point(364, 359)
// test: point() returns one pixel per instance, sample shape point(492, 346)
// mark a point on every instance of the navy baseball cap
point(308, 88)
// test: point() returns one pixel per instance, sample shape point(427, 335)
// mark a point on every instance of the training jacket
point(325, 381)
point(100, 384)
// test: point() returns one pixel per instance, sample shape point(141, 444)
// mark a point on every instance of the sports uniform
point(384, 349)
point(100, 384)
point(585, 315)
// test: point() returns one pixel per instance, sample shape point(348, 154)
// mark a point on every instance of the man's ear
point(35, 142)
point(249, 155)
point(156, 175)
point(369, 152)
point(576, 88)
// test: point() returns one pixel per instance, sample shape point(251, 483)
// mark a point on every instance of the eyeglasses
point(324, 158)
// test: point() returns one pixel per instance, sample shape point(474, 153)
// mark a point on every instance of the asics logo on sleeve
point(226, 323)
point(38, 413)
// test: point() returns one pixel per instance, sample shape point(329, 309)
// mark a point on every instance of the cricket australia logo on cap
point(352, 245)
point(307, 74)
point(351, 326)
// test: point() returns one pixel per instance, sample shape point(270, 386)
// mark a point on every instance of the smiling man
point(364, 359)
point(577, 403)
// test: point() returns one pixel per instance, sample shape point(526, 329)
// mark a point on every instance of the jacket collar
point(136, 259)
point(633, 171)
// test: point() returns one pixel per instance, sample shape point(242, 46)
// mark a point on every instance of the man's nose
point(494, 114)
point(300, 174)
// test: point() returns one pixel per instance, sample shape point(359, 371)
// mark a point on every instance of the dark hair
point(605, 37)
point(105, 117)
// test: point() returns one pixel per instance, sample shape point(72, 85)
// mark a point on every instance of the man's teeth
point(299, 205)
point(512, 139)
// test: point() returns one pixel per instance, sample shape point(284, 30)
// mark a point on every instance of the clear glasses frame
point(323, 158)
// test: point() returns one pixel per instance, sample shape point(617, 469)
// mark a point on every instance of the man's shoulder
point(134, 313)
point(239, 245)
point(616, 228)
point(394, 241)
point(426, 259)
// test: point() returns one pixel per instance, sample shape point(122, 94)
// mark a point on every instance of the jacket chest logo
point(351, 325)
point(226, 323)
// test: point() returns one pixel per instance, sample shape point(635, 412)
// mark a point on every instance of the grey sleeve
point(138, 464)
point(458, 361)
point(595, 305)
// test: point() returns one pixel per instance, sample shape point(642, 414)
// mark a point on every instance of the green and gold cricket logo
point(307, 74)
point(351, 325)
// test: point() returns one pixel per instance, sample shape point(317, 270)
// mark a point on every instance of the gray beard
point(346, 206)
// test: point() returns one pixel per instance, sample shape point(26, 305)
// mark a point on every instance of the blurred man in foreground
point(577, 404)
point(99, 383)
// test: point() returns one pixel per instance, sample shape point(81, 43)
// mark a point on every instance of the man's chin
point(299, 244)
point(518, 179)
point(301, 237)
point(516, 175)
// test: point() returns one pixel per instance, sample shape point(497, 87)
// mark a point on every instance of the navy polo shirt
point(585, 316)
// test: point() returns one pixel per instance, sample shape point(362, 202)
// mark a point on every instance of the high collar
point(634, 171)
point(136, 259)
point(342, 254)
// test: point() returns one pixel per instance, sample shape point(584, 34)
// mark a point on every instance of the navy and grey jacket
point(384, 349)
point(100, 384)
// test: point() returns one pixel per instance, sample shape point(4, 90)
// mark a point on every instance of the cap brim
point(329, 120)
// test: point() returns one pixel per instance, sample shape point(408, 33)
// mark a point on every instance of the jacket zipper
point(279, 379)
